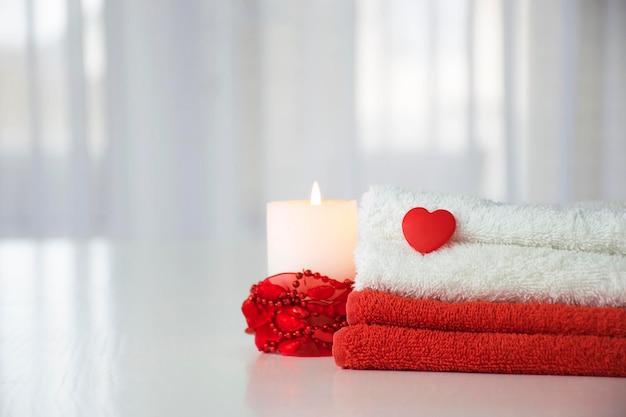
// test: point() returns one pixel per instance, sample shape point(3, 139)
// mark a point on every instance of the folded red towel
point(400, 348)
point(376, 307)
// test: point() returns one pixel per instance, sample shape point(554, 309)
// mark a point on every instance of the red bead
point(288, 321)
point(268, 290)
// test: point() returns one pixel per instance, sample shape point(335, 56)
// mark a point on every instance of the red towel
point(400, 348)
point(375, 307)
point(392, 332)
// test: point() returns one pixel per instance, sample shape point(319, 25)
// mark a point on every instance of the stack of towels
point(517, 289)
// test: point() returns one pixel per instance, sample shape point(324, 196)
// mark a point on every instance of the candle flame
point(316, 196)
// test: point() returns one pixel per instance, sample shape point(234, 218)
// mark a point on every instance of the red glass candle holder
point(296, 313)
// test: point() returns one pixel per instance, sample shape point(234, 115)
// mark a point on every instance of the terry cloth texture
point(517, 289)
point(499, 252)
point(498, 273)
point(375, 307)
point(401, 348)
point(590, 227)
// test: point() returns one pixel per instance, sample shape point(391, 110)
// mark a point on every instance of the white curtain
point(176, 119)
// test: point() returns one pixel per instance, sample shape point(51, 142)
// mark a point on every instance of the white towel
point(499, 252)
point(497, 273)
point(591, 227)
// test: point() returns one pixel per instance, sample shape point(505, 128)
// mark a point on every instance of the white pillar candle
point(317, 235)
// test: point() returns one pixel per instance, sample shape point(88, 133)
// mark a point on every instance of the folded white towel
point(497, 273)
point(591, 227)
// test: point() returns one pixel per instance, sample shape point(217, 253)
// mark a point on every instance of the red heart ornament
point(426, 231)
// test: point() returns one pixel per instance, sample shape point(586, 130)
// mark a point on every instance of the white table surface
point(110, 329)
